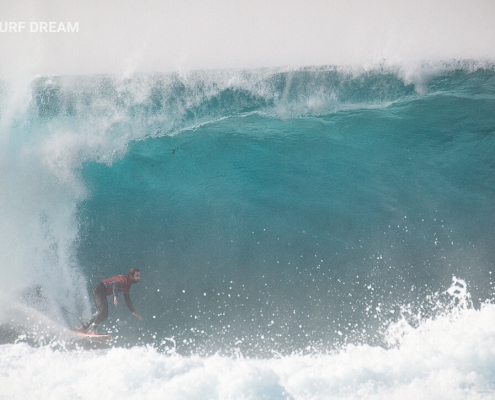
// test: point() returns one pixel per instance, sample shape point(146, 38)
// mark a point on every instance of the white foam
point(38, 223)
point(452, 357)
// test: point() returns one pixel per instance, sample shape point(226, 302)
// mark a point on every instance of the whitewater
point(307, 188)
point(451, 357)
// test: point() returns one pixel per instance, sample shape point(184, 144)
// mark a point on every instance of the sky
point(125, 37)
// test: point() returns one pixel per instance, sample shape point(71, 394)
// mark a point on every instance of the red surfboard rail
point(105, 336)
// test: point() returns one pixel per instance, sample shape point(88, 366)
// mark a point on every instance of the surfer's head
point(135, 275)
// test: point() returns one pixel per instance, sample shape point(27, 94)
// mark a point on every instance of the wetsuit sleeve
point(128, 301)
point(115, 288)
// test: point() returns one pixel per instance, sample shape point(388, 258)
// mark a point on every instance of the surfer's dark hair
point(132, 271)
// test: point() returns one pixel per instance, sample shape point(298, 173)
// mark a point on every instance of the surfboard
point(92, 336)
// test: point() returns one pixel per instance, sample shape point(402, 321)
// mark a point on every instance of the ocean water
point(303, 233)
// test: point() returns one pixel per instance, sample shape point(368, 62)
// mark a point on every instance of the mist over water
point(156, 36)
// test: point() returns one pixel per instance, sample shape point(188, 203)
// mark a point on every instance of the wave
point(71, 144)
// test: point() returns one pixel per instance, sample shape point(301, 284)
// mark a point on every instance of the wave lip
point(73, 120)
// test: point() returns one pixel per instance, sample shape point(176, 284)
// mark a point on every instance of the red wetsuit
point(119, 283)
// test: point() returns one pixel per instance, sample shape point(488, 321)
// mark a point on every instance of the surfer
point(119, 283)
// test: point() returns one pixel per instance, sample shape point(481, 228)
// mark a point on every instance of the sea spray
point(443, 357)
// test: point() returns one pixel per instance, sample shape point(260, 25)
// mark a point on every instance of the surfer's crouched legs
point(100, 296)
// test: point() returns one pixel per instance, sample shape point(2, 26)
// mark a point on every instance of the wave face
point(297, 217)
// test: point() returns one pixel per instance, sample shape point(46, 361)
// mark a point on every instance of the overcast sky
point(126, 36)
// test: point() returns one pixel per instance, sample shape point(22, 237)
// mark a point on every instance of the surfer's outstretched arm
point(128, 301)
